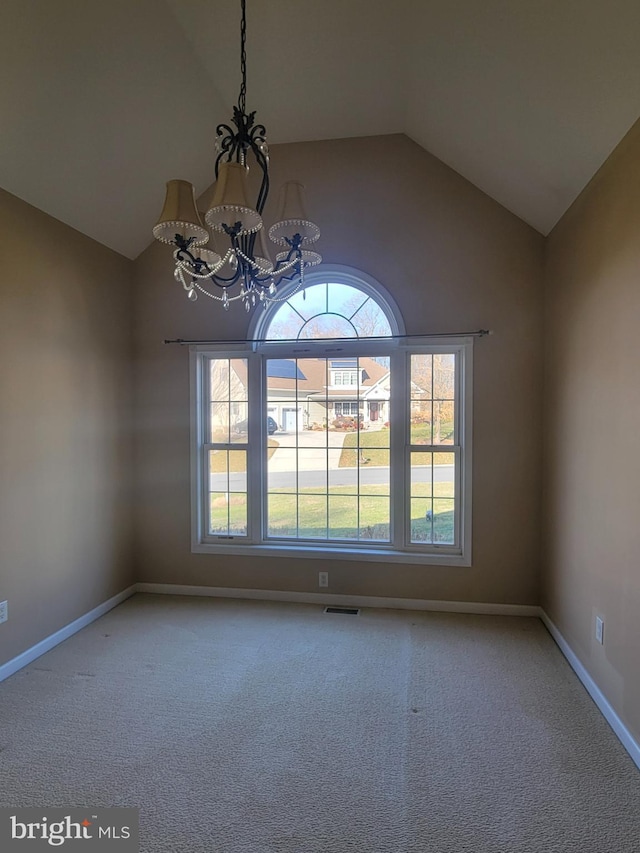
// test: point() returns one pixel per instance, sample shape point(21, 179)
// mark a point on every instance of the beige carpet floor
point(250, 727)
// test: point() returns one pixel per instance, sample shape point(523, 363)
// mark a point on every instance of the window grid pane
point(433, 476)
point(433, 498)
point(226, 464)
point(322, 479)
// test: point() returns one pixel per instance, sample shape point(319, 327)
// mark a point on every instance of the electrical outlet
point(323, 578)
point(600, 630)
point(4, 611)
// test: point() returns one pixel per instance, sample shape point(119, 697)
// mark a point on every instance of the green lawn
point(332, 515)
point(237, 459)
point(374, 448)
point(421, 433)
point(335, 515)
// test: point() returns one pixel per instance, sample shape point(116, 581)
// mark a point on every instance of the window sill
point(315, 552)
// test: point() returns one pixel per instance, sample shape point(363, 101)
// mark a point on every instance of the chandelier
point(242, 269)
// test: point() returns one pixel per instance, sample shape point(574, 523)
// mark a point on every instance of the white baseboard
point(53, 640)
point(346, 600)
point(623, 733)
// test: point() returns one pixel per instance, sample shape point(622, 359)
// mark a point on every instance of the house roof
point(106, 101)
point(314, 383)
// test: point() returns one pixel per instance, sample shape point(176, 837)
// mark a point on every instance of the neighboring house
point(319, 390)
point(228, 384)
point(315, 390)
point(307, 392)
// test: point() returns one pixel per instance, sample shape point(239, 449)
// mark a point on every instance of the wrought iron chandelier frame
point(258, 277)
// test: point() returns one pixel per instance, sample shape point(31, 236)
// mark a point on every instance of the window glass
point(226, 468)
point(328, 310)
point(330, 469)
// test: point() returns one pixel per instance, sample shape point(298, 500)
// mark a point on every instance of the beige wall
point(454, 260)
point(592, 447)
point(65, 427)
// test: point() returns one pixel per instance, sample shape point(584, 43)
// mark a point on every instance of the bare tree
point(433, 391)
point(367, 317)
point(357, 316)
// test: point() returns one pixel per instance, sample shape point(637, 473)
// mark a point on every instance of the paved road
point(376, 476)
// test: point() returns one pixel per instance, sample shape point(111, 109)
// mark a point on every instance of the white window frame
point(399, 351)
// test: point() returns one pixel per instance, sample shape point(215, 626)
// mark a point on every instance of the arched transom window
point(334, 303)
point(328, 310)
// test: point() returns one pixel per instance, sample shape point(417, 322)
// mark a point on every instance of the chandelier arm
point(180, 253)
point(225, 283)
point(210, 276)
point(294, 257)
point(227, 134)
point(285, 266)
point(244, 295)
point(186, 260)
point(258, 133)
point(252, 265)
point(227, 143)
point(250, 244)
point(289, 274)
point(263, 163)
point(198, 265)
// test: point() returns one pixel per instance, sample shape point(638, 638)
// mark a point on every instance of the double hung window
point(357, 446)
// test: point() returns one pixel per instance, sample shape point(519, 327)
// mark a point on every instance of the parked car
point(272, 426)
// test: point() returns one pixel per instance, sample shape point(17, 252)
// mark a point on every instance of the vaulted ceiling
point(102, 101)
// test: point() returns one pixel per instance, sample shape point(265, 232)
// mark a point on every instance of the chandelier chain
point(243, 60)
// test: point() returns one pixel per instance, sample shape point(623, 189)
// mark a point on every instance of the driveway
point(322, 450)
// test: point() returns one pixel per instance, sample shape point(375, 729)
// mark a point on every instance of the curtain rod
point(479, 333)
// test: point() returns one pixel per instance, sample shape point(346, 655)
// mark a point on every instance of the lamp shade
point(293, 217)
point(229, 205)
point(261, 253)
point(208, 256)
point(179, 216)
